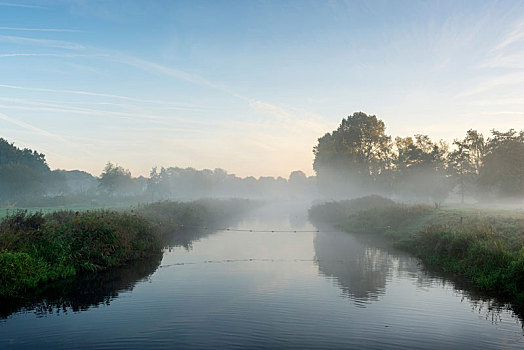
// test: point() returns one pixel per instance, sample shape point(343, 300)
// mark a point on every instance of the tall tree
point(115, 179)
point(421, 169)
point(357, 152)
point(10, 154)
point(23, 172)
point(502, 168)
point(465, 161)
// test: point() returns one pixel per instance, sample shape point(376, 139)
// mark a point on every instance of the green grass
point(6, 211)
point(485, 246)
point(38, 247)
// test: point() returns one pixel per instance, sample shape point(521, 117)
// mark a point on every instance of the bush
point(388, 219)
point(36, 248)
point(337, 211)
point(18, 271)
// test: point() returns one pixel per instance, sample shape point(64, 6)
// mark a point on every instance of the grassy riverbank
point(485, 246)
point(36, 248)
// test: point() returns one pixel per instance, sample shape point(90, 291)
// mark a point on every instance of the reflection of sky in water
point(274, 290)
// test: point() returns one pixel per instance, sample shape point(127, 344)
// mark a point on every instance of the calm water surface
point(237, 289)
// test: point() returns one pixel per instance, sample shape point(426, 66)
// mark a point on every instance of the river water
point(265, 290)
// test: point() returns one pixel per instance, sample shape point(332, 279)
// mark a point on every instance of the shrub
point(36, 248)
point(336, 211)
point(18, 271)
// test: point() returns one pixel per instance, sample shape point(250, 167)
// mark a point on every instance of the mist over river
point(249, 287)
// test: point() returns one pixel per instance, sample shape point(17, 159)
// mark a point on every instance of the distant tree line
point(359, 158)
point(189, 183)
point(25, 178)
point(25, 175)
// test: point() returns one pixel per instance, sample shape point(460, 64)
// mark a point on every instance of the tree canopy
point(22, 171)
point(115, 179)
point(359, 145)
point(359, 157)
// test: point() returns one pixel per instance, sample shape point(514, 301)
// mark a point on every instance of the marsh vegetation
point(484, 246)
point(36, 248)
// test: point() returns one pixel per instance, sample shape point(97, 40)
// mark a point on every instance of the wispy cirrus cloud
point(298, 117)
point(492, 82)
point(42, 29)
point(30, 127)
point(45, 133)
point(77, 92)
point(151, 104)
point(294, 118)
point(16, 4)
point(500, 102)
point(59, 44)
point(290, 114)
point(513, 60)
point(514, 36)
point(96, 112)
point(148, 66)
point(64, 55)
point(502, 66)
point(172, 72)
point(509, 52)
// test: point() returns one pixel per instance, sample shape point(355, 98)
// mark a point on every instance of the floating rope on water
point(248, 230)
point(276, 231)
point(243, 260)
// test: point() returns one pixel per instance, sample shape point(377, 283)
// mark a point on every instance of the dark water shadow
point(186, 237)
point(489, 305)
point(82, 292)
point(362, 266)
point(89, 290)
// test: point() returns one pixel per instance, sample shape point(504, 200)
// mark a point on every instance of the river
point(248, 287)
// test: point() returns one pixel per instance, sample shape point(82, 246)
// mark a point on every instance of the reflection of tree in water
point(494, 311)
point(186, 237)
point(492, 307)
point(361, 271)
point(83, 292)
point(362, 266)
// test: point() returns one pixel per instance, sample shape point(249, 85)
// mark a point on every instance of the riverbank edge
point(484, 248)
point(38, 249)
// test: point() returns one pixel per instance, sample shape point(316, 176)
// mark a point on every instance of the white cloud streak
point(514, 36)
point(81, 92)
point(11, 4)
point(58, 44)
point(95, 112)
point(493, 82)
point(41, 29)
point(5, 55)
point(172, 72)
point(31, 128)
point(300, 119)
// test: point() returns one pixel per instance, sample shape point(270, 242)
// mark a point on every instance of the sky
point(249, 86)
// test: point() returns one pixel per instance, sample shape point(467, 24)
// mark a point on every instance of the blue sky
point(249, 86)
